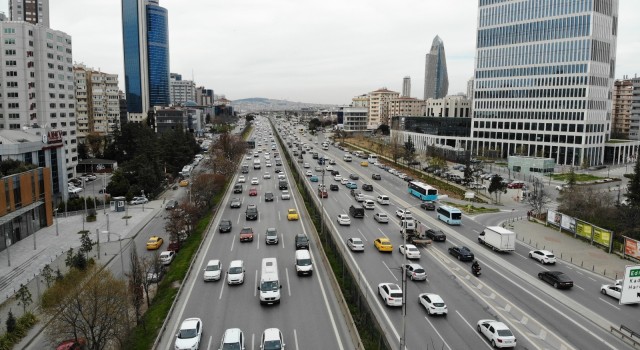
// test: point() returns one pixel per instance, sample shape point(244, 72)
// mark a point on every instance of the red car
point(322, 192)
point(253, 191)
point(516, 184)
point(246, 234)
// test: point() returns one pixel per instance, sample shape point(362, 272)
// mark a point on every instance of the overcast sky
point(301, 50)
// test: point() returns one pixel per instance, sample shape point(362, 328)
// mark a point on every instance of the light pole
point(143, 197)
point(120, 251)
point(55, 217)
point(84, 217)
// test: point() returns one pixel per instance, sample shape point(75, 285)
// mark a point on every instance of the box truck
point(498, 238)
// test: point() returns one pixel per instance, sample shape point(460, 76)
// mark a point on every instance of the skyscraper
point(146, 55)
point(32, 11)
point(406, 87)
point(544, 78)
point(436, 79)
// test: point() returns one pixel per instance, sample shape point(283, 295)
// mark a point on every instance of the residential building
point(97, 102)
point(355, 118)
point(379, 107)
point(405, 106)
point(455, 106)
point(122, 101)
point(406, 87)
point(32, 11)
point(170, 118)
point(182, 91)
point(360, 101)
point(37, 89)
point(545, 92)
point(204, 97)
point(634, 117)
point(436, 78)
point(621, 109)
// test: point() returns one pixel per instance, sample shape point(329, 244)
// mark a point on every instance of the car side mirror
point(280, 286)
point(258, 287)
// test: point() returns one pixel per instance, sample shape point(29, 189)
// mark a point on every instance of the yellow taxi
point(154, 243)
point(184, 183)
point(292, 214)
point(364, 163)
point(383, 245)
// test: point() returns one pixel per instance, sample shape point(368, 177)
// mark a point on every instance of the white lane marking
point(238, 221)
point(593, 279)
point(259, 217)
point(286, 271)
point(253, 335)
point(579, 273)
point(379, 229)
point(295, 338)
point(233, 241)
point(522, 256)
point(391, 272)
point(363, 236)
point(221, 289)
point(438, 333)
point(575, 285)
point(475, 331)
point(209, 345)
point(258, 246)
point(608, 303)
point(279, 218)
point(282, 239)
point(255, 281)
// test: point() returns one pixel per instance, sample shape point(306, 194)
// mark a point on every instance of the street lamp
point(120, 251)
point(55, 218)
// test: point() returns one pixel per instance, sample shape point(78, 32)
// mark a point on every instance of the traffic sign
point(631, 285)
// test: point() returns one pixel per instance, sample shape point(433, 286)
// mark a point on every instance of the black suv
point(252, 212)
point(237, 188)
point(436, 235)
point(225, 226)
point(302, 242)
point(268, 197)
point(367, 187)
point(282, 185)
point(376, 176)
point(334, 187)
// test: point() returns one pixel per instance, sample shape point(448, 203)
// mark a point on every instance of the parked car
point(139, 200)
point(167, 256)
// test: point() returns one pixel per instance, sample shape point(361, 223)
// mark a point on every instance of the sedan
point(351, 185)
point(224, 226)
point(543, 256)
point(556, 278)
point(235, 202)
point(308, 173)
point(376, 176)
point(253, 191)
point(383, 245)
point(353, 177)
point(241, 179)
point(154, 243)
point(410, 250)
point(166, 257)
point(306, 165)
point(334, 187)
point(428, 205)
point(337, 177)
point(433, 303)
point(254, 181)
point(285, 195)
point(318, 169)
point(612, 290)
point(266, 176)
point(355, 244)
point(268, 197)
point(415, 272)
point(314, 179)
point(436, 235)
point(381, 217)
point(189, 335)
point(292, 214)
point(498, 334)
point(139, 200)
point(343, 219)
point(461, 253)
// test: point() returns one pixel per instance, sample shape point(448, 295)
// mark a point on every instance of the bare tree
point(537, 197)
point(151, 264)
point(204, 187)
point(136, 278)
point(396, 147)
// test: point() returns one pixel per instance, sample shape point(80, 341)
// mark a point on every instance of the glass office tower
point(158, 53)
point(544, 74)
point(135, 55)
point(436, 78)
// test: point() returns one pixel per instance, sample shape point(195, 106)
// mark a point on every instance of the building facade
point(32, 11)
point(436, 78)
point(360, 101)
point(621, 109)
point(97, 102)
point(355, 118)
point(379, 107)
point(546, 91)
point(204, 97)
point(406, 87)
point(182, 91)
point(158, 54)
point(136, 72)
point(451, 106)
point(470, 89)
point(634, 118)
point(405, 106)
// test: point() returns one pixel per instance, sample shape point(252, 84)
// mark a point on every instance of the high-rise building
point(436, 79)
point(379, 107)
point(470, 89)
point(181, 91)
point(37, 90)
point(634, 118)
point(621, 109)
point(204, 97)
point(406, 87)
point(545, 90)
point(32, 11)
point(146, 56)
point(97, 101)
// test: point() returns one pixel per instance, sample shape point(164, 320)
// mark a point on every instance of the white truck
point(498, 238)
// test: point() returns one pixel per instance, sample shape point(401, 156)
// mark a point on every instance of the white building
point(379, 107)
point(455, 106)
point(355, 118)
point(405, 106)
point(360, 101)
point(97, 106)
point(37, 90)
point(181, 91)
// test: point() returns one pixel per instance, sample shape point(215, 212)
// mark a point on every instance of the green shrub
point(22, 327)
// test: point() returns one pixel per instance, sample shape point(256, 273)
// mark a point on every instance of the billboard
point(553, 217)
point(568, 223)
point(583, 229)
point(631, 248)
point(602, 236)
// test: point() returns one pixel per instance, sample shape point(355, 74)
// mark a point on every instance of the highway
point(509, 290)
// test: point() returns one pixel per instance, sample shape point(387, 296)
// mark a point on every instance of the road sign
point(631, 285)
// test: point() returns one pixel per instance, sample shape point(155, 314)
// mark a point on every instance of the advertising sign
point(583, 229)
point(602, 236)
point(631, 285)
point(568, 223)
point(553, 217)
point(631, 247)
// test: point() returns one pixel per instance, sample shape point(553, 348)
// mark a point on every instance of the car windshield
point(304, 262)
point(272, 345)
point(385, 243)
point(187, 333)
point(505, 333)
point(268, 286)
point(235, 270)
point(213, 268)
point(231, 346)
point(357, 241)
point(438, 304)
point(418, 270)
point(396, 294)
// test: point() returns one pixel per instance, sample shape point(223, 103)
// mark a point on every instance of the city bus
point(423, 191)
point(450, 215)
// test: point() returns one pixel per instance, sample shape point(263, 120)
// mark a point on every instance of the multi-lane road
point(509, 290)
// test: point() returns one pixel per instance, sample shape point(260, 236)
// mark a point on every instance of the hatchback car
point(272, 339)
point(376, 176)
point(235, 202)
point(343, 219)
point(410, 250)
point(334, 187)
point(253, 192)
point(241, 179)
point(224, 226)
point(268, 197)
point(383, 245)
point(355, 244)
point(233, 339)
point(235, 273)
point(266, 176)
point(285, 195)
point(189, 335)
point(498, 334)
point(314, 179)
point(301, 241)
point(415, 272)
point(390, 293)
point(166, 257)
point(213, 271)
point(433, 303)
point(381, 217)
point(351, 185)
point(543, 256)
point(556, 278)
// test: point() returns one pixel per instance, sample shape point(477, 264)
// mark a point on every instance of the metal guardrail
point(627, 335)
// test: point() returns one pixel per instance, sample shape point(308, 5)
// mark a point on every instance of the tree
point(314, 124)
point(150, 264)
point(47, 274)
point(23, 296)
point(383, 129)
point(396, 147)
point(136, 278)
point(119, 185)
point(175, 223)
point(468, 172)
point(249, 118)
point(77, 260)
point(88, 305)
point(204, 188)
point(497, 186)
point(86, 245)
point(11, 322)
point(538, 198)
point(633, 189)
point(409, 151)
point(95, 143)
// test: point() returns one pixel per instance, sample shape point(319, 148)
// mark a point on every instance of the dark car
point(174, 246)
point(252, 212)
point(436, 235)
point(302, 241)
point(367, 187)
point(334, 187)
point(268, 197)
point(462, 253)
point(278, 170)
point(556, 278)
point(408, 179)
point(428, 205)
point(235, 203)
point(246, 234)
point(172, 204)
point(353, 177)
point(237, 188)
point(334, 172)
point(376, 176)
point(224, 226)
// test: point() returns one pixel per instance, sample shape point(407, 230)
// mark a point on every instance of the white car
point(612, 290)
point(235, 272)
point(306, 165)
point(266, 176)
point(355, 244)
point(344, 181)
point(562, 187)
point(404, 214)
point(285, 195)
point(498, 334)
point(308, 173)
point(343, 219)
point(338, 177)
point(213, 271)
point(189, 335)
point(254, 181)
point(381, 217)
point(268, 165)
point(139, 200)
point(75, 189)
point(390, 293)
point(166, 257)
point(410, 250)
point(272, 339)
point(433, 303)
point(232, 339)
point(543, 256)
point(241, 179)
point(247, 157)
point(329, 168)
point(281, 176)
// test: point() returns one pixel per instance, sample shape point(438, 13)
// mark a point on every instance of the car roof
point(383, 239)
point(271, 334)
point(355, 239)
point(232, 335)
point(496, 324)
point(190, 323)
point(434, 297)
point(392, 286)
point(236, 263)
point(213, 262)
point(411, 246)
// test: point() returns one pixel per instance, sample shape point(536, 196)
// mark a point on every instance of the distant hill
point(256, 104)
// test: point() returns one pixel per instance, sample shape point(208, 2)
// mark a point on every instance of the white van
point(382, 199)
point(256, 163)
point(304, 266)
point(269, 282)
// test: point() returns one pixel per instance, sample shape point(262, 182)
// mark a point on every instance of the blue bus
point(450, 215)
point(423, 191)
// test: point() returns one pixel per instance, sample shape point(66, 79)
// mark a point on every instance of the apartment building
point(405, 106)
point(98, 105)
point(379, 107)
point(621, 109)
